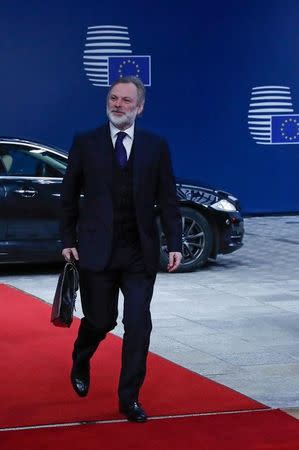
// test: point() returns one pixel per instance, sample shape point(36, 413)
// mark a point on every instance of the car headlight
point(224, 205)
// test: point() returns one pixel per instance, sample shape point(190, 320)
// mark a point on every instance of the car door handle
point(26, 192)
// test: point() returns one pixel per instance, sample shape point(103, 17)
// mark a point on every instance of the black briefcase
point(65, 296)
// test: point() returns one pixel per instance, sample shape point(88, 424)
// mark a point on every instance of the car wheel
point(197, 241)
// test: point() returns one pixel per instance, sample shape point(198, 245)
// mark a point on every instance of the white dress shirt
point(128, 139)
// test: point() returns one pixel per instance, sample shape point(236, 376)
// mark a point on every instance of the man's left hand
point(174, 261)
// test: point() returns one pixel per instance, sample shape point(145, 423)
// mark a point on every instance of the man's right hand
point(70, 253)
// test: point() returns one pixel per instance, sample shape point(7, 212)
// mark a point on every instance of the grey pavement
point(236, 321)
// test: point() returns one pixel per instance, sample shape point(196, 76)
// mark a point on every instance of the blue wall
point(206, 58)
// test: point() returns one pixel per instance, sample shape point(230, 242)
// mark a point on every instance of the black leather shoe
point(133, 411)
point(80, 379)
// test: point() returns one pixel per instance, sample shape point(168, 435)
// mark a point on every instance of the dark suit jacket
point(88, 225)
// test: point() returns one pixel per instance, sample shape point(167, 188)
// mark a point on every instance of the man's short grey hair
point(137, 82)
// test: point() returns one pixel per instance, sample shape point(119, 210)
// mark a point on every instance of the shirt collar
point(129, 131)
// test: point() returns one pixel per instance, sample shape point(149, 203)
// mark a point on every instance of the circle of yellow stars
point(125, 64)
point(286, 134)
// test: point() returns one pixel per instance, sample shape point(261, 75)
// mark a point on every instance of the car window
point(18, 160)
point(3, 170)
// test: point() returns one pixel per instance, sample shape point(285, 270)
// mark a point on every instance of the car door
point(30, 202)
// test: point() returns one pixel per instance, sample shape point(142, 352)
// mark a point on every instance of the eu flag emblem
point(124, 66)
point(285, 129)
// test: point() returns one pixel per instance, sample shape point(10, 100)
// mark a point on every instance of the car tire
point(197, 241)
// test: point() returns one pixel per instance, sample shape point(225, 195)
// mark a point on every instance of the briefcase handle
point(70, 265)
point(65, 296)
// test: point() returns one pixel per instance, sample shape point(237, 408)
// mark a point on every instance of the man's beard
point(124, 121)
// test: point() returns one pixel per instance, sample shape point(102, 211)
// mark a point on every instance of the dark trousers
point(99, 297)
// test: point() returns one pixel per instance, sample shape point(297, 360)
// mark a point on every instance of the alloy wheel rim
point(193, 238)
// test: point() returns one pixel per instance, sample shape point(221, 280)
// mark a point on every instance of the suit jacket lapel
point(104, 151)
point(137, 160)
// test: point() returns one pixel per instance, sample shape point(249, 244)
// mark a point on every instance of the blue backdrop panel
point(212, 66)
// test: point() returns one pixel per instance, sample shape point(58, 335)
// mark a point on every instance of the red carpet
point(34, 375)
point(241, 431)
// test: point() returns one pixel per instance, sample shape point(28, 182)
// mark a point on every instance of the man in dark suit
point(123, 172)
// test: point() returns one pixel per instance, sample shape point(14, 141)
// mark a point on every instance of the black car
point(30, 181)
